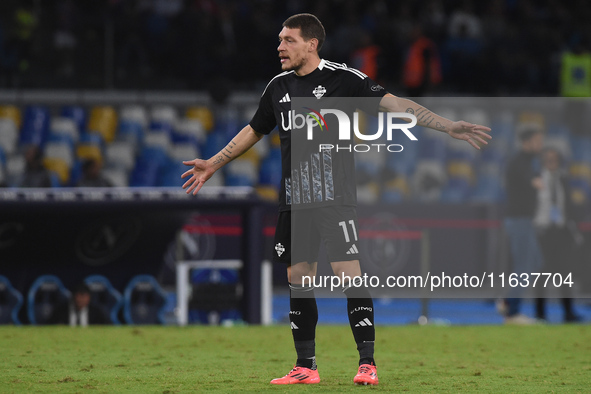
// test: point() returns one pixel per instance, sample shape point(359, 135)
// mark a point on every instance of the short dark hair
point(82, 288)
point(309, 25)
point(528, 134)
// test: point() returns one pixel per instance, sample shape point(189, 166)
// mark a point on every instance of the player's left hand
point(474, 134)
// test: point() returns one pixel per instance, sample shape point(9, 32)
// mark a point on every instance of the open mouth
point(283, 59)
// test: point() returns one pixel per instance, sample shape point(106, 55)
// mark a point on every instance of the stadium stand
point(11, 302)
point(8, 136)
point(35, 129)
point(144, 301)
point(203, 115)
point(103, 120)
point(11, 112)
point(143, 146)
point(65, 128)
point(77, 114)
point(45, 294)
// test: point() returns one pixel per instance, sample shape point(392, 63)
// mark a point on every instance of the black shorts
point(299, 233)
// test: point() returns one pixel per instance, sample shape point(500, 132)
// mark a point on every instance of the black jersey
point(327, 80)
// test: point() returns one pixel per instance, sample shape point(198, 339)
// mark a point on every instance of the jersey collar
point(321, 64)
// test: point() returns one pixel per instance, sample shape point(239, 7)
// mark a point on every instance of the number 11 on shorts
point(343, 224)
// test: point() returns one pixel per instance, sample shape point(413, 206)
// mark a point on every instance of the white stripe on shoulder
point(333, 66)
point(276, 76)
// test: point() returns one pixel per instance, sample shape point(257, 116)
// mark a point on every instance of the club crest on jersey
point(279, 249)
point(319, 91)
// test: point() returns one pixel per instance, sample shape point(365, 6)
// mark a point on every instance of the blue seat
point(216, 141)
point(11, 302)
point(144, 301)
point(62, 139)
point(145, 174)
point(180, 138)
point(148, 167)
point(456, 191)
point(558, 130)
point(392, 196)
point(432, 148)
point(170, 175)
point(92, 139)
point(132, 131)
point(270, 170)
point(581, 148)
point(488, 189)
point(46, 293)
point(161, 126)
point(35, 129)
point(105, 296)
point(77, 114)
point(238, 180)
point(403, 163)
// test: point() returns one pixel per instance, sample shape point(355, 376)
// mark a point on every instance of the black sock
point(303, 317)
point(361, 319)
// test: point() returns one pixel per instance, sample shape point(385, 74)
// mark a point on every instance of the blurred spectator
point(65, 39)
point(486, 47)
point(464, 50)
point(36, 175)
point(557, 231)
point(365, 58)
point(522, 184)
point(422, 68)
point(464, 22)
point(79, 311)
point(91, 175)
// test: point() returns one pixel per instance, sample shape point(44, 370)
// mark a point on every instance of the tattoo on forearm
point(227, 157)
point(427, 120)
point(410, 111)
point(430, 120)
point(218, 159)
point(425, 116)
point(229, 148)
point(439, 126)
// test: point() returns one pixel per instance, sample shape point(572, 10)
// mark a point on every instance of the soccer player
point(305, 74)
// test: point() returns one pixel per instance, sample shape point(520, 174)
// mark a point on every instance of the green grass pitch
point(495, 359)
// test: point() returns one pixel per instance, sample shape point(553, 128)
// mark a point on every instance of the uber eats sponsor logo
point(348, 130)
point(362, 308)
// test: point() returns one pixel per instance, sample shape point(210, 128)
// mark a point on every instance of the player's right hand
point(199, 174)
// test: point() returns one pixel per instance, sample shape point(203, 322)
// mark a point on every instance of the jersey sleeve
point(264, 120)
point(370, 94)
point(367, 87)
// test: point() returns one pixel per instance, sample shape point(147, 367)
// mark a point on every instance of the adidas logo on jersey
point(363, 323)
point(294, 327)
point(285, 99)
point(353, 250)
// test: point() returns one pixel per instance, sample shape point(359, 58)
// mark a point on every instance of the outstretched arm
point(472, 133)
point(202, 170)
